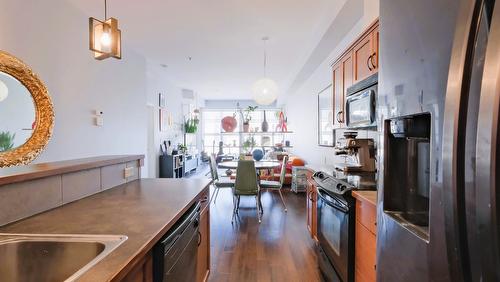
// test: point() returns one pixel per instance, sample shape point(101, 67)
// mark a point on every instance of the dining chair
point(217, 182)
point(246, 184)
point(277, 185)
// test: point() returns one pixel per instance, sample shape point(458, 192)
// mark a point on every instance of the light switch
point(99, 121)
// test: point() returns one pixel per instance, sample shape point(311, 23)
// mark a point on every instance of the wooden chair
point(217, 182)
point(246, 184)
point(277, 185)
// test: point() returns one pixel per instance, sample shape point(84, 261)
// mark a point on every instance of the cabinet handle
point(339, 120)
point(372, 60)
point(204, 199)
point(368, 60)
point(199, 238)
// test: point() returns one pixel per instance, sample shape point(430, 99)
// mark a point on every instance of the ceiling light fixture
point(265, 90)
point(105, 37)
point(4, 91)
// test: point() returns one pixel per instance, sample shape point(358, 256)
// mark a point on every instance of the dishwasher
point(175, 255)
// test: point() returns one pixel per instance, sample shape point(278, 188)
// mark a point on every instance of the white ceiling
point(223, 38)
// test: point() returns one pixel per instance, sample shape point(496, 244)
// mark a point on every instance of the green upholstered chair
point(217, 182)
point(275, 185)
point(246, 184)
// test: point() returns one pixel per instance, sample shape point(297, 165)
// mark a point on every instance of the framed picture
point(163, 119)
point(325, 117)
point(162, 103)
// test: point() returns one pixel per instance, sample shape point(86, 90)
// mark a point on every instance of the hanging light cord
point(265, 57)
point(105, 10)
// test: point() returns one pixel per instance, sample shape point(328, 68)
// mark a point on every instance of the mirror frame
point(44, 112)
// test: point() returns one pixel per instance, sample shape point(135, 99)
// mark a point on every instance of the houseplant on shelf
point(6, 141)
point(191, 125)
point(248, 145)
point(247, 117)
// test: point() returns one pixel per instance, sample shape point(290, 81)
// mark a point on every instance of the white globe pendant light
point(265, 90)
point(4, 91)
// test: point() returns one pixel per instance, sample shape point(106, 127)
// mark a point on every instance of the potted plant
point(249, 144)
point(6, 141)
point(247, 117)
point(191, 125)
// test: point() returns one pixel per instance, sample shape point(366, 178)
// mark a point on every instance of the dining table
point(259, 165)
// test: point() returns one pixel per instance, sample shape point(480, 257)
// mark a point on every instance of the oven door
point(335, 223)
point(360, 109)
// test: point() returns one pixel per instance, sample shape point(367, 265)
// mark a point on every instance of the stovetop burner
point(339, 182)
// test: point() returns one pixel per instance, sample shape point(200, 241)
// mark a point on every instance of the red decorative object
point(229, 123)
point(282, 123)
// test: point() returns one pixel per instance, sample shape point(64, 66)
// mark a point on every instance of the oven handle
point(337, 205)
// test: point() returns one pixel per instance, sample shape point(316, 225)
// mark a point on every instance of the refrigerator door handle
point(487, 161)
point(453, 145)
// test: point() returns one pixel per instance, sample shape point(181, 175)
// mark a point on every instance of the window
point(234, 142)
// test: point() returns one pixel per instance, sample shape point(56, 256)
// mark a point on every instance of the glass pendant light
point(265, 90)
point(105, 37)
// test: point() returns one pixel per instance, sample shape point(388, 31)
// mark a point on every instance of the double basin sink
point(34, 257)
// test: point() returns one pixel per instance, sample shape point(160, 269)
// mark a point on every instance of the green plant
point(249, 144)
point(191, 125)
point(6, 141)
point(183, 148)
point(247, 113)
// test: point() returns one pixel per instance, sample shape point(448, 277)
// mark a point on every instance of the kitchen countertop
point(144, 210)
point(368, 196)
point(23, 173)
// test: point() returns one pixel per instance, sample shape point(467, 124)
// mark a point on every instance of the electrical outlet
point(128, 172)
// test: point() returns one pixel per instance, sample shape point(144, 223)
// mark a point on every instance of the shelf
point(259, 133)
point(258, 146)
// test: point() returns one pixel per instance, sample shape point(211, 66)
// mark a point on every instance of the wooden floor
point(278, 249)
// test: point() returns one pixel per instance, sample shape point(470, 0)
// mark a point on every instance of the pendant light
point(265, 90)
point(105, 37)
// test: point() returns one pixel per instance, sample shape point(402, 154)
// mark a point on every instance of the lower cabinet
point(203, 264)
point(366, 237)
point(312, 217)
point(142, 272)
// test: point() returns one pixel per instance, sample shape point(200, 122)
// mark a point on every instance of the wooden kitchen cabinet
point(365, 243)
point(312, 217)
point(203, 263)
point(362, 54)
point(142, 271)
point(338, 95)
point(358, 62)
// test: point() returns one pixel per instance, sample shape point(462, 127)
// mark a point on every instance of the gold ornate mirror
point(26, 113)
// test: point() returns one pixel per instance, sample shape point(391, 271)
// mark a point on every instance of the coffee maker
point(359, 154)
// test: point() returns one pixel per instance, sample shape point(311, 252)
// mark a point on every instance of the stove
point(341, 183)
point(336, 208)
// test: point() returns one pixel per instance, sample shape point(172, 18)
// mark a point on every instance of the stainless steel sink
point(34, 257)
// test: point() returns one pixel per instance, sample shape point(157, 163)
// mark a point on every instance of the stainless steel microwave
point(361, 103)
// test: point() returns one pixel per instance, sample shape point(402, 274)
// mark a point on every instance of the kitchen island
point(143, 210)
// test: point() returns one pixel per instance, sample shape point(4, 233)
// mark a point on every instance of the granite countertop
point(367, 196)
point(143, 210)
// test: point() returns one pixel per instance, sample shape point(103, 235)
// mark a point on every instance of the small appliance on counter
point(360, 154)
point(336, 221)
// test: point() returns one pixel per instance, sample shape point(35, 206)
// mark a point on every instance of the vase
point(246, 127)
point(229, 123)
point(265, 125)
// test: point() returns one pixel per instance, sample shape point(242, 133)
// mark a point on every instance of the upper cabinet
point(356, 63)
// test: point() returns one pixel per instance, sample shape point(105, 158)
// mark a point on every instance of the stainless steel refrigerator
point(438, 106)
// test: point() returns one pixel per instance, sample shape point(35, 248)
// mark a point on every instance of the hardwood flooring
point(278, 249)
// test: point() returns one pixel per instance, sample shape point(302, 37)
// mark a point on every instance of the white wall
point(158, 83)
point(52, 38)
point(301, 106)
